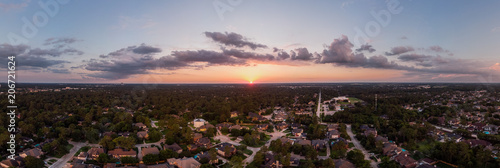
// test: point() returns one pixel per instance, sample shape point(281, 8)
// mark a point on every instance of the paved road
point(357, 145)
point(62, 162)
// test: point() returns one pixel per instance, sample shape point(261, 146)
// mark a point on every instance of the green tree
point(236, 162)
point(125, 142)
point(129, 160)
point(150, 159)
point(107, 142)
point(33, 162)
point(103, 158)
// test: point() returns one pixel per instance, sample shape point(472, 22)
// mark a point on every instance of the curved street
point(357, 145)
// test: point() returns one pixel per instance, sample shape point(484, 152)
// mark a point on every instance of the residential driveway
point(357, 145)
point(62, 162)
point(140, 146)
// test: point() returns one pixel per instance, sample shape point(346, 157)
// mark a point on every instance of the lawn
point(82, 149)
point(248, 152)
point(354, 100)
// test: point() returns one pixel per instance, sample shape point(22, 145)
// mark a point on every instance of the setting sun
point(251, 82)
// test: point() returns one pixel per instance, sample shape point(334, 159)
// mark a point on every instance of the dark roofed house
point(477, 142)
point(142, 135)
point(151, 150)
point(17, 162)
point(285, 140)
point(281, 126)
point(405, 161)
point(295, 125)
point(371, 131)
point(203, 142)
point(331, 127)
point(197, 136)
point(333, 134)
point(270, 161)
point(221, 149)
point(303, 142)
point(119, 153)
point(93, 153)
point(223, 125)
point(32, 152)
point(391, 149)
point(83, 156)
point(141, 125)
point(342, 163)
point(174, 147)
point(205, 155)
point(318, 144)
point(381, 139)
point(297, 132)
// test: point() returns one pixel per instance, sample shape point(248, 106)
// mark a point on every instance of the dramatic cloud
point(143, 49)
point(141, 59)
point(233, 39)
point(10, 50)
point(302, 54)
point(340, 53)
point(35, 58)
point(400, 50)
point(129, 61)
point(366, 47)
point(210, 57)
point(248, 55)
point(133, 51)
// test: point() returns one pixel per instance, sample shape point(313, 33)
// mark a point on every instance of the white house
point(199, 122)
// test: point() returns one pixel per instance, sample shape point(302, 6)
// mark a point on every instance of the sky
point(238, 41)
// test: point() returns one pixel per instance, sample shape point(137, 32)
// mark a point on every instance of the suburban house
point(142, 135)
point(342, 163)
point(223, 147)
point(262, 127)
point(318, 144)
point(93, 153)
point(405, 161)
point(141, 126)
point(270, 161)
point(303, 142)
point(198, 122)
point(150, 150)
point(32, 152)
point(234, 114)
point(17, 162)
point(371, 131)
point(297, 132)
point(333, 134)
point(82, 156)
point(205, 155)
point(119, 152)
point(285, 140)
point(204, 128)
point(223, 125)
point(203, 142)
point(197, 136)
point(281, 126)
point(174, 147)
point(184, 162)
